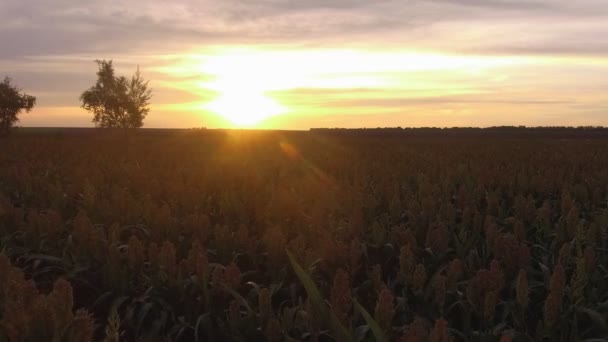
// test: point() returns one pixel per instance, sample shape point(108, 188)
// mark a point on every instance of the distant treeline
point(501, 131)
point(496, 131)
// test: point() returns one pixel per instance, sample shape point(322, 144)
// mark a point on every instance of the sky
point(294, 64)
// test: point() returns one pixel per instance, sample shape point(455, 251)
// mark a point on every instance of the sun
point(245, 107)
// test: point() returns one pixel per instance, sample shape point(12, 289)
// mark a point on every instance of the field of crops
point(289, 236)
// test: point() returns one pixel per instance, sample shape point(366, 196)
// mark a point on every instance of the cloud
point(472, 100)
point(42, 27)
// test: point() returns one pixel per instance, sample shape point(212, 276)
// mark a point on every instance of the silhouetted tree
point(12, 102)
point(117, 102)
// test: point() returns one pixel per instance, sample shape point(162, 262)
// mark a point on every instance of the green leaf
point(311, 288)
point(597, 318)
point(371, 322)
point(44, 257)
point(361, 332)
point(342, 334)
point(201, 322)
point(239, 298)
point(118, 302)
point(141, 316)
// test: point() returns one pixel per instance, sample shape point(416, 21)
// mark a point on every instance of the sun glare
point(242, 80)
point(245, 108)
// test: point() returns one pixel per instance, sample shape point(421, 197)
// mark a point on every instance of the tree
point(12, 102)
point(117, 102)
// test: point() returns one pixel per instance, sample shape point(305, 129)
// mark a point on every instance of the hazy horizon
point(337, 63)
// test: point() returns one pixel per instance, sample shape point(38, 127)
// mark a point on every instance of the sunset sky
point(333, 63)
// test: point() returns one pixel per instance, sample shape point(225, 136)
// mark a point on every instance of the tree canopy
point(115, 101)
point(12, 102)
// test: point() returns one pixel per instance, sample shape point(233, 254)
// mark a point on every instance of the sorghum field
point(203, 235)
